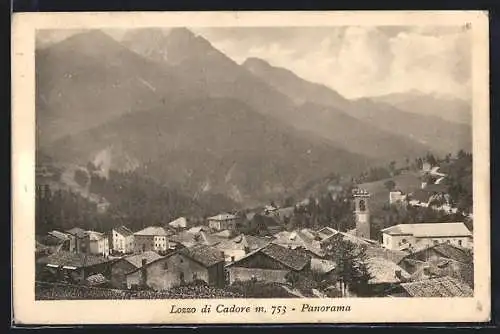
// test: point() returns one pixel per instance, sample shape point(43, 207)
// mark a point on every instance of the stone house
point(199, 262)
point(125, 265)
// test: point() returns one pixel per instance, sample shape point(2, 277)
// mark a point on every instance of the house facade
point(122, 240)
point(411, 236)
point(98, 243)
point(271, 264)
point(123, 266)
point(182, 267)
point(236, 248)
point(223, 221)
point(79, 240)
point(72, 266)
point(151, 239)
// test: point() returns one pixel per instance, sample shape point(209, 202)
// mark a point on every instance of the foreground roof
point(136, 259)
point(429, 230)
point(385, 271)
point(291, 258)
point(438, 287)
point(205, 255)
point(445, 250)
point(70, 259)
point(297, 239)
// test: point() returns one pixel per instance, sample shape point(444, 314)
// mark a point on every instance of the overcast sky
point(355, 61)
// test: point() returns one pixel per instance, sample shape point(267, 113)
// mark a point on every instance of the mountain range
point(171, 105)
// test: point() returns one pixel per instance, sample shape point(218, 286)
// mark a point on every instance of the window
point(404, 241)
point(181, 260)
point(194, 276)
point(181, 277)
point(447, 241)
point(165, 266)
point(460, 242)
point(362, 205)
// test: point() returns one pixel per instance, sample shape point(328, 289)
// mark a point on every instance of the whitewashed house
point(98, 243)
point(223, 221)
point(122, 240)
point(417, 236)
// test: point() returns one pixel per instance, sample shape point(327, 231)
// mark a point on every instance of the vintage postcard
point(250, 167)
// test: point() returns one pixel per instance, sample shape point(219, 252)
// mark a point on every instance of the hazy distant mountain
point(215, 146)
point(401, 132)
point(90, 78)
point(442, 136)
point(447, 108)
point(325, 112)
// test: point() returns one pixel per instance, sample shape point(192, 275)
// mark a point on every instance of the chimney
point(144, 273)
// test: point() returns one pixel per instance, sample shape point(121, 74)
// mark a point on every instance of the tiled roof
point(152, 231)
point(453, 252)
point(392, 255)
point(429, 230)
point(298, 239)
point(444, 250)
point(223, 216)
point(78, 232)
point(384, 271)
point(206, 255)
point(189, 239)
point(59, 235)
point(438, 287)
point(327, 232)
point(322, 266)
point(70, 259)
point(291, 258)
point(242, 241)
point(179, 222)
point(136, 259)
point(123, 230)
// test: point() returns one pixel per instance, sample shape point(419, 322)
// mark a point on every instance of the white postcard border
point(374, 310)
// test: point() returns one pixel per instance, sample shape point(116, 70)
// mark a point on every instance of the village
point(212, 258)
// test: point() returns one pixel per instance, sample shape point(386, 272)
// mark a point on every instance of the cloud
point(360, 61)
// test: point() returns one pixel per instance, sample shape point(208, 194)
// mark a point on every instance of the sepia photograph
point(307, 165)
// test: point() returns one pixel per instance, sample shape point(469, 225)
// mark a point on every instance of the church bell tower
point(362, 213)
